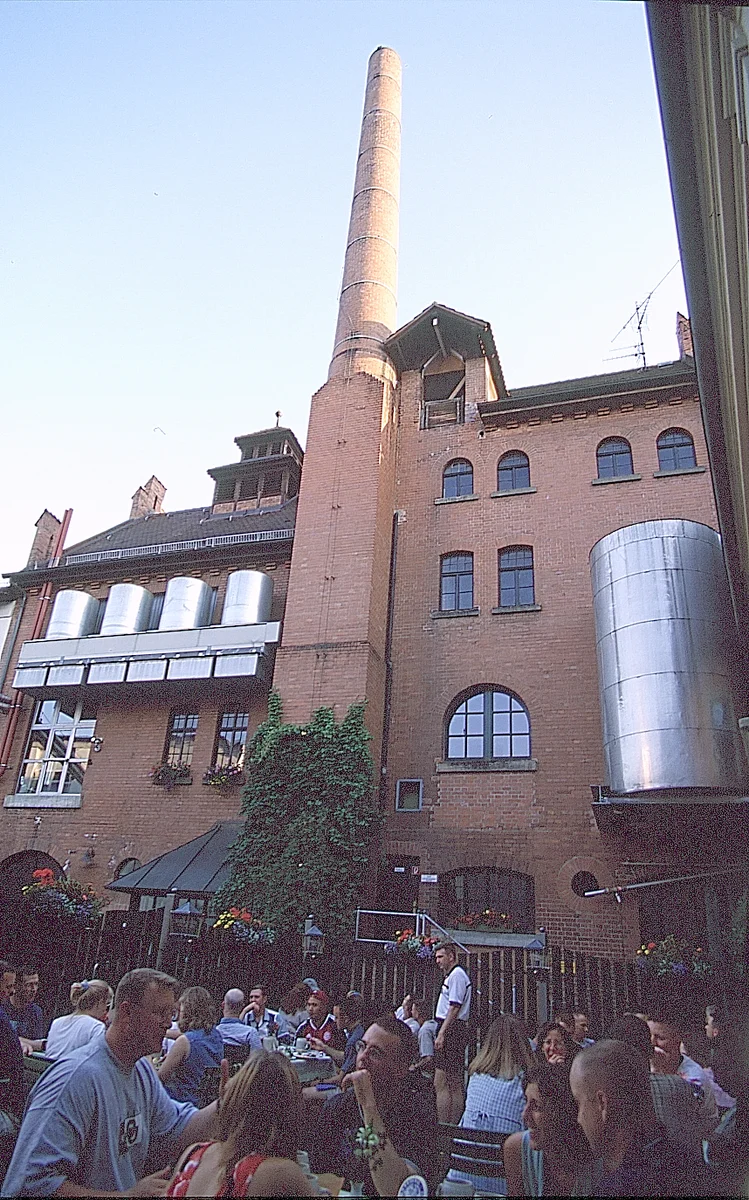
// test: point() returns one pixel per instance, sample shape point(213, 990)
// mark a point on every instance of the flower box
point(168, 777)
point(240, 924)
point(413, 945)
point(65, 899)
point(223, 777)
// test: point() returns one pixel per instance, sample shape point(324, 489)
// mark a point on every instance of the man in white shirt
point(453, 1010)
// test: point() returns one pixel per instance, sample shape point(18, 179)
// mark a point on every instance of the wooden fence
point(523, 982)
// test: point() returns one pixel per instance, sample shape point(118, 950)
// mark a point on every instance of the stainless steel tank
point(128, 609)
point(664, 643)
point(249, 595)
point(73, 615)
point(187, 603)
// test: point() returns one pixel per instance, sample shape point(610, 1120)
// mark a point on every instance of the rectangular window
point(456, 582)
point(516, 586)
point(231, 739)
point(157, 607)
point(408, 793)
point(58, 749)
point(181, 740)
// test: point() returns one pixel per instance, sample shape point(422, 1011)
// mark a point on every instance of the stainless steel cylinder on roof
point(664, 646)
point(249, 595)
point(128, 609)
point(73, 615)
point(187, 603)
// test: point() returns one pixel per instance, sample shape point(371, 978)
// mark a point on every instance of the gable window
point(614, 458)
point(675, 450)
point(513, 471)
point(456, 582)
point(457, 479)
point(489, 725)
point(516, 577)
point(181, 740)
point(231, 739)
point(58, 748)
point(487, 898)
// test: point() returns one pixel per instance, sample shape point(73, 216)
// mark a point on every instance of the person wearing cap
point(320, 1024)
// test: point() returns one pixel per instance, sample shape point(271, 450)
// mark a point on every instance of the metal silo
point(249, 595)
point(663, 639)
point(128, 609)
point(187, 603)
point(73, 615)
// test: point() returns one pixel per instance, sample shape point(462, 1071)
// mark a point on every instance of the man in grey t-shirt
point(92, 1118)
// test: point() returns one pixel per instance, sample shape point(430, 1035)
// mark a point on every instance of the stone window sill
point(486, 764)
point(456, 499)
point(616, 479)
point(514, 492)
point(441, 614)
point(679, 471)
point(43, 800)
point(516, 608)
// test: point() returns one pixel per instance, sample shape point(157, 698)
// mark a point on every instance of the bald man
point(232, 1029)
point(611, 1084)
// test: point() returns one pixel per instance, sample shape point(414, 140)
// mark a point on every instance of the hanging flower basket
point(170, 777)
point(413, 945)
point(62, 898)
point(672, 958)
point(223, 777)
point(240, 924)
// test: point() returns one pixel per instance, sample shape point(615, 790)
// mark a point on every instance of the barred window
point(614, 458)
point(231, 739)
point(457, 478)
point(489, 724)
point(675, 450)
point(58, 749)
point(513, 471)
point(456, 582)
point(181, 740)
point(516, 585)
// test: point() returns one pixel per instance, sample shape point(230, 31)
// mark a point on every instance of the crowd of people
point(123, 1108)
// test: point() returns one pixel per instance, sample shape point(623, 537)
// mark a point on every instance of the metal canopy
point(197, 868)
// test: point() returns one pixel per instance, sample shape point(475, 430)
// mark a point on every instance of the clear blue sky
point(177, 180)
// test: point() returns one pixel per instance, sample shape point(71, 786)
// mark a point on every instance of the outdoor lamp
point(313, 938)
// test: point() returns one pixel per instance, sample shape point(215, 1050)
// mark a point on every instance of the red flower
point(234, 912)
point(45, 876)
point(651, 945)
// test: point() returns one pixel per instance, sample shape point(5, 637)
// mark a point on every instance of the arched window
point(126, 866)
point(457, 478)
point(675, 450)
point(486, 898)
point(513, 471)
point(456, 582)
point(489, 724)
point(614, 457)
point(516, 577)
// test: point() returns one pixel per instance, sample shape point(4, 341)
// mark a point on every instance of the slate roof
point(183, 526)
point(196, 868)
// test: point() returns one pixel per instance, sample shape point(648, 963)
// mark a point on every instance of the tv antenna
point(637, 320)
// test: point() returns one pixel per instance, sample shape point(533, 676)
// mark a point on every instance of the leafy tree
point(311, 818)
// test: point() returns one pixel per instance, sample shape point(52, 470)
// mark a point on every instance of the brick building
point(434, 558)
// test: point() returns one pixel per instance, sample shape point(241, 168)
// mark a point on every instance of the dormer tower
point(333, 646)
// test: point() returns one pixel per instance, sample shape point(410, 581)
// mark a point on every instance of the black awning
point(197, 868)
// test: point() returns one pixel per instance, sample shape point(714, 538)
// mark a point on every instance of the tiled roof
point(187, 525)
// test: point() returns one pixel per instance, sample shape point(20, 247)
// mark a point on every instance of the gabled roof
point(439, 328)
point(197, 868)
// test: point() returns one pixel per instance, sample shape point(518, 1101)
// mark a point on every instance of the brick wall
point(536, 821)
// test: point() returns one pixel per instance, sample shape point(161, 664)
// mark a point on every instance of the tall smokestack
point(366, 312)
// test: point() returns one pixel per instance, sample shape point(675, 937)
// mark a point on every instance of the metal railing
point(226, 539)
point(422, 924)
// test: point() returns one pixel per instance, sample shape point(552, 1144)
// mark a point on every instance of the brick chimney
point(684, 336)
point(148, 499)
point(47, 528)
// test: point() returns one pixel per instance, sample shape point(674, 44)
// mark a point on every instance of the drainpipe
point(39, 619)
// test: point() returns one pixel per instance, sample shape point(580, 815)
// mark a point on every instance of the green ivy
point(311, 820)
